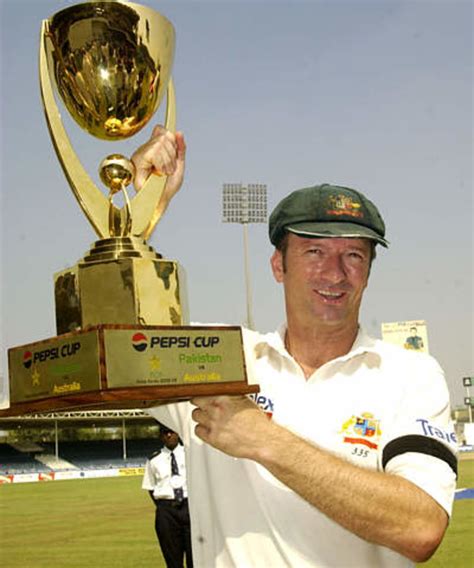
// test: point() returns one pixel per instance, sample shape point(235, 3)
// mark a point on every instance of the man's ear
point(277, 265)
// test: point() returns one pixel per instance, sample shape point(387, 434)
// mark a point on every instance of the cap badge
point(344, 205)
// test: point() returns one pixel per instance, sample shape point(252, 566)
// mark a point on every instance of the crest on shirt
point(363, 429)
point(341, 204)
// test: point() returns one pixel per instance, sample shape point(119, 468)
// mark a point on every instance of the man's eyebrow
point(362, 248)
point(359, 248)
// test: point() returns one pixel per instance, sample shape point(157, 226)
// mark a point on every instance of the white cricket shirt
point(379, 406)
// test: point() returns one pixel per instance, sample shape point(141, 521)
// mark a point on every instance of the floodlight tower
point(468, 382)
point(245, 204)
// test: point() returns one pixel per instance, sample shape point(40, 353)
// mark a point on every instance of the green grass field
point(457, 548)
point(102, 523)
point(93, 523)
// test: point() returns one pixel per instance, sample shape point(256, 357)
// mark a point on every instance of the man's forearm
point(378, 507)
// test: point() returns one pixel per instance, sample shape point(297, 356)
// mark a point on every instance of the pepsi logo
point(27, 359)
point(139, 342)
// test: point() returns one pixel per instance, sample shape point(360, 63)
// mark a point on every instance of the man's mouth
point(330, 296)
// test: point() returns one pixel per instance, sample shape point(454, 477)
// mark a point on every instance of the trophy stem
point(120, 247)
point(128, 214)
point(120, 221)
point(116, 172)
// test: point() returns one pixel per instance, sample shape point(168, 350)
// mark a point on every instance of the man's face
point(170, 439)
point(324, 279)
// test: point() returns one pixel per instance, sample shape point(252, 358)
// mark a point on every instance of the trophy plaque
point(123, 338)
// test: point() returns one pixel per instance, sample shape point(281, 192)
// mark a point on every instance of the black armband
point(420, 445)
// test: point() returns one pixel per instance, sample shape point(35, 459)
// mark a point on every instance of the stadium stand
point(32, 454)
point(55, 463)
point(97, 454)
point(15, 461)
point(103, 454)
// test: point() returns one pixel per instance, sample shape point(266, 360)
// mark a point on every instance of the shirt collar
point(363, 343)
point(166, 450)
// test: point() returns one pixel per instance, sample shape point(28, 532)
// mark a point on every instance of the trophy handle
point(145, 210)
point(92, 201)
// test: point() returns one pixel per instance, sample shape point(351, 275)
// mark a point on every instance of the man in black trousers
point(165, 480)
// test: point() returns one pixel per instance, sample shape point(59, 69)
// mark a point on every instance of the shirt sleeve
point(419, 442)
point(176, 416)
point(148, 482)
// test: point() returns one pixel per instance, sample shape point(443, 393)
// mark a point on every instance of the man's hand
point(233, 424)
point(163, 154)
point(378, 507)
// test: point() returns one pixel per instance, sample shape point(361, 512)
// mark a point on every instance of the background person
point(414, 341)
point(356, 466)
point(165, 480)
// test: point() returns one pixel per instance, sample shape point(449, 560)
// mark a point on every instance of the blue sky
point(373, 95)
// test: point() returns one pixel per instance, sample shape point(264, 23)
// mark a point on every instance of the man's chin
point(336, 317)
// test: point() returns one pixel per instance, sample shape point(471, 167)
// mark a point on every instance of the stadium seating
point(92, 454)
point(104, 454)
point(13, 461)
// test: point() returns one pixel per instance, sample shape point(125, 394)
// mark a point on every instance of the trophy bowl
point(111, 62)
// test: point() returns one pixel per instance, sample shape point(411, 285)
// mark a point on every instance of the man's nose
point(334, 270)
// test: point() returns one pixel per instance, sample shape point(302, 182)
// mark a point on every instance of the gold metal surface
point(120, 281)
point(116, 172)
point(173, 356)
point(60, 366)
point(111, 63)
point(126, 366)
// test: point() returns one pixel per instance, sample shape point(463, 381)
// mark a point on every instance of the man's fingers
point(198, 415)
point(158, 156)
point(180, 146)
point(201, 432)
point(203, 401)
point(143, 169)
point(157, 130)
point(165, 161)
point(203, 423)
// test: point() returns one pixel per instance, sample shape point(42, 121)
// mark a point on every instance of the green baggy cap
point(327, 211)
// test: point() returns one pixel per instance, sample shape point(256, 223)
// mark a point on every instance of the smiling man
point(323, 261)
point(346, 457)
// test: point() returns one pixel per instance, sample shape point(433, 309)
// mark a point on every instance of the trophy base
point(146, 289)
point(123, 366)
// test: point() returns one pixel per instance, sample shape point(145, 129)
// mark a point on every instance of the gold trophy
point(121, 312)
